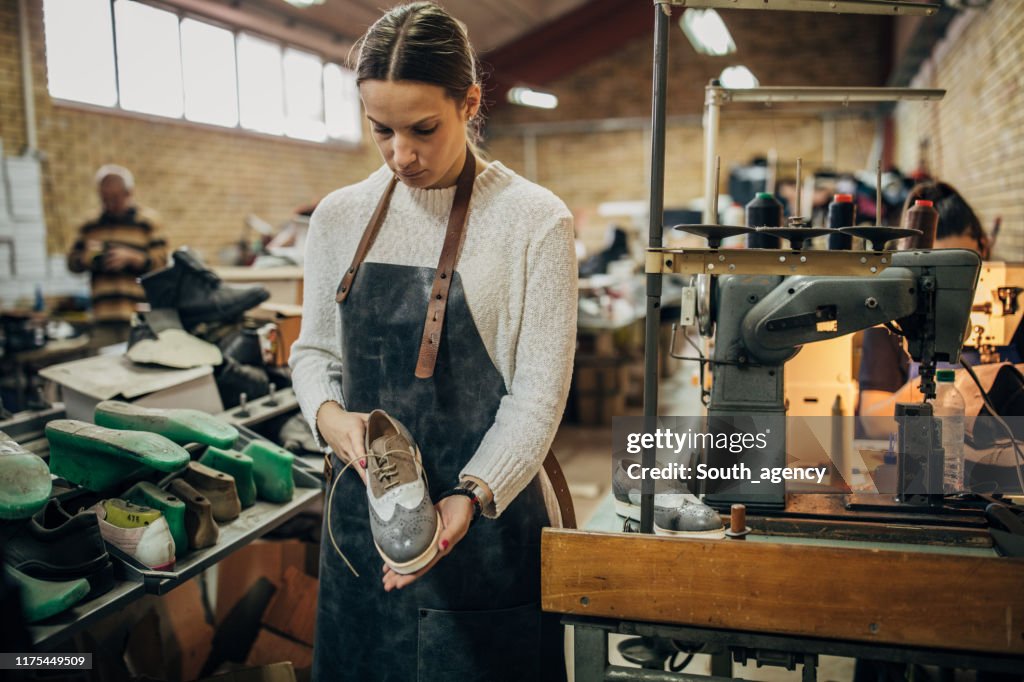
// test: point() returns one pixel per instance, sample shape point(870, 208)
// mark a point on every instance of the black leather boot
point(244, 347)
point(234, 378)
point(54, 545)
point(197, 292)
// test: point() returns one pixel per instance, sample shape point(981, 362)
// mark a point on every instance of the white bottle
point(949, 405)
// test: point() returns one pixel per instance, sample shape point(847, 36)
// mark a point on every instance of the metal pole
point(662, 16)
point(712, 112)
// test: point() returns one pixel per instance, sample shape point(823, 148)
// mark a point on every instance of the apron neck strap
point(454, 238)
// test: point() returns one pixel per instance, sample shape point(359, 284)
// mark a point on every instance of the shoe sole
point(419, 562)
point(697, 534)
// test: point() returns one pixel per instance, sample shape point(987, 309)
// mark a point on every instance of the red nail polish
point(444, 545)
point(362, 462)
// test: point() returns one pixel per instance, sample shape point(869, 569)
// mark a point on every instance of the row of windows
point(136, 57)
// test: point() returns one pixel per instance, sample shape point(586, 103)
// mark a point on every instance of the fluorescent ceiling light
point(528, 97)
point(707, 32)
point(304, 3)
point(738, 77)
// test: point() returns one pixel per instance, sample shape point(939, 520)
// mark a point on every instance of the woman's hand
point(456, 515)
point(344, 432)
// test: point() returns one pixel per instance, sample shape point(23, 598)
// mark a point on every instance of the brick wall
point(975, 135)
point(781, 48)
point(203, 181)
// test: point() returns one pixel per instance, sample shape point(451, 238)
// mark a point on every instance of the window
point(179, 67)
point(304, 95)
point(341, 104)
point(208, 67)
point(81, 67)
point(260, 85)
point(148, 59)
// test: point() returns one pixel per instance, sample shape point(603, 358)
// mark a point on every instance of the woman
point(486, 414)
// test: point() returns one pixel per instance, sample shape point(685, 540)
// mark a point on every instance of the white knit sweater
point(518, 269)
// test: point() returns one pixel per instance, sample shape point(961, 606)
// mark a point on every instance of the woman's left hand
point(456, 515)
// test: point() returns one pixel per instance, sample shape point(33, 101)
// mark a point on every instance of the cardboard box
point(288, 319)
point(84, 383)
point(292, 609)
point(261, 559)
point(271, 647)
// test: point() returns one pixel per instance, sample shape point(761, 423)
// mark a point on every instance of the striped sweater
point(116, 293)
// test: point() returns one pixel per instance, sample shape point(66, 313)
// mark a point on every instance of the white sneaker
point(140, 532)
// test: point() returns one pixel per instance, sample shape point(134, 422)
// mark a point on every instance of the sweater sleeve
point(513, 449)
point(316, 355)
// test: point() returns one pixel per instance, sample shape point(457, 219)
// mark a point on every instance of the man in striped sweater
point(118, 247)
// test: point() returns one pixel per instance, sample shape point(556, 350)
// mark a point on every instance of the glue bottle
point(949, 406)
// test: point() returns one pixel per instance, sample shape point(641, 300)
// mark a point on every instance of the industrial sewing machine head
point(771, 302)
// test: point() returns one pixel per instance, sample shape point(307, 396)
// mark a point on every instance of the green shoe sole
point(98, 458)
point(173, 509)
point(237, 465)
point(272, 470)
point(44, 598)
point(180, 426)
point(25, 483)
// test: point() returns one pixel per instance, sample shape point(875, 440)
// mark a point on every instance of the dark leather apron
point(475, 614)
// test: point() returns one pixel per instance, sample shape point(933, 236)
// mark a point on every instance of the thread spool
point(922, 216)
point(842, 212)
point(763, 211)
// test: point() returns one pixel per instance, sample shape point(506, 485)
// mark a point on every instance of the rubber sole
point(419, 562)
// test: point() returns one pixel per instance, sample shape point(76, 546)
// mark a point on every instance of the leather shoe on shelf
point(54, 545)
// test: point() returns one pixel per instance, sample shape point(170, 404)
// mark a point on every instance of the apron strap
point(453, 240)
point(369, 234)
point(561, 487)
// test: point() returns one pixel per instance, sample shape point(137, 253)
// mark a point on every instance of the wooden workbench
point(962, 604)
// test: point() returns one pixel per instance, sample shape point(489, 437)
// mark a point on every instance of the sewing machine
point(760, 321)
